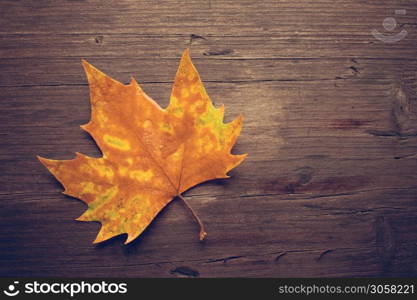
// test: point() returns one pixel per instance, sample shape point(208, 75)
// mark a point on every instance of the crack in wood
point(185, 271)
point(324, 253)
point(279, 256)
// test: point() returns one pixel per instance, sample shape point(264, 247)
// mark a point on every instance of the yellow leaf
point(150, 155)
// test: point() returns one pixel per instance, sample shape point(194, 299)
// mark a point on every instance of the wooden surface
point(330, 184)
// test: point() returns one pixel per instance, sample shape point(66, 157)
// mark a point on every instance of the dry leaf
point(150, 155)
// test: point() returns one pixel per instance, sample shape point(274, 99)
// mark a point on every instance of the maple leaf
point(150, 155)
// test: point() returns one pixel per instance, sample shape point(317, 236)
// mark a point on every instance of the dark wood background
point(330, 184)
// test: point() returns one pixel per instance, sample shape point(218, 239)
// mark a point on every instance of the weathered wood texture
point(330, 184)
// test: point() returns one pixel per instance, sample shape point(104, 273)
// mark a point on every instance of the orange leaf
point(150, 154)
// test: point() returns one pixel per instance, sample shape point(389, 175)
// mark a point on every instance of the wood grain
point(330, 185)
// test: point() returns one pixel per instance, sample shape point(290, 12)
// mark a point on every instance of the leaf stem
point(203, 232)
